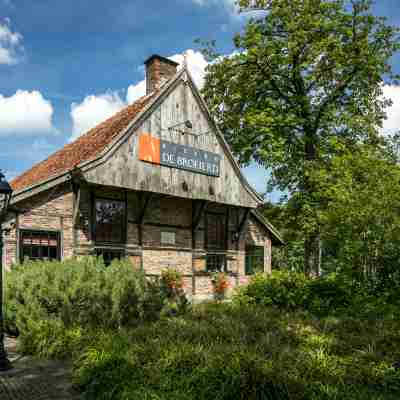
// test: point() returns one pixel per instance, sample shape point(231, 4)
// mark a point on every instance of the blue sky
point(66, 65)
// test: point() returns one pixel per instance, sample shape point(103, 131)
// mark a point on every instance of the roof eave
point(87, 164)
point(276, 236)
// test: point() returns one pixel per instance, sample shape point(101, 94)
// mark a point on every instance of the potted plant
point(221, 284)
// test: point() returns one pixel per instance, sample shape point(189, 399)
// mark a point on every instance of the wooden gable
point(126, 167)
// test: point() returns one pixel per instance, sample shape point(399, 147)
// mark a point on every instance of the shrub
point(331, 293)
point(281, 288)
point(78, 293)
point(223, 352)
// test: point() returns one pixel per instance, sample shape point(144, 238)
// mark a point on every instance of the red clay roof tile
point(85, 148)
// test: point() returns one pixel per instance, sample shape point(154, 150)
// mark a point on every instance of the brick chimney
point(158, 71)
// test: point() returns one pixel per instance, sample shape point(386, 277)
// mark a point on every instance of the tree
point(362, 219)
point(304, 84)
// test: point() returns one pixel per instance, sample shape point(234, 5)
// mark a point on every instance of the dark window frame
point(216, 262)
point(251, 256)
point(104, 252)
point(223, 242)
point(123, 237)
point(216, 259)
point(40, 232)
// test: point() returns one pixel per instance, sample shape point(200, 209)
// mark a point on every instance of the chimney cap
point(161, 58)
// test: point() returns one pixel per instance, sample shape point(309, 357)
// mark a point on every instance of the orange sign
point(174, 155)
point(149, 149)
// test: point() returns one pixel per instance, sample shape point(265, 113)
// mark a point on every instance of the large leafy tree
point(361, 220)
point(304, 84)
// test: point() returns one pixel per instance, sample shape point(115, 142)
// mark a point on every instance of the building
point(155, 183)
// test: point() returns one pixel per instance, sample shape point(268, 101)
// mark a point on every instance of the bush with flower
point(221, 284)
point(172, 285)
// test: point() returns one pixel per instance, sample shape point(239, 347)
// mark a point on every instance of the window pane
point(53, 253)
point(35, 252)
point(216, 262)
point(110, 216)
point(26, 252)
point(215, 231)
point(254, 260)
point(37, 245)
point(45, 252)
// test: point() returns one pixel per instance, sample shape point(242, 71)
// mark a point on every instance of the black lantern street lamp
point(5, 197)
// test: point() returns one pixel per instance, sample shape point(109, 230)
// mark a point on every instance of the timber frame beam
point(198, 210)
point(145, 200)
point(242, 225)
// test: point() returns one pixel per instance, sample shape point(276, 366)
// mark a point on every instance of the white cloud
point(10, 44)
point(392, 123)
point(26, 114)
point(197, 65)
point(93, 110)
point(136, 91)
point(232, 8)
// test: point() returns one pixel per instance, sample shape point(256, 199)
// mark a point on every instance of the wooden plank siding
point(125, 170)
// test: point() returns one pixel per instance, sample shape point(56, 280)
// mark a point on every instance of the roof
point(85, 148)
point(276, 236)
point(95, 144)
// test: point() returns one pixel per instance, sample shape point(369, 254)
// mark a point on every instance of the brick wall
point(50, 210)
point(53, 210)
point(158, 71)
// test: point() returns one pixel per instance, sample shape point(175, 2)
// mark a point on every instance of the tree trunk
point(312, 255)
point(312, 244)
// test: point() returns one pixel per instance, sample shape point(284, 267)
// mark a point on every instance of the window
point(254, 259)
point(110, 221)
point(39, 245)
point(216, 262)
point(215, 241)
point(109, 255)
point(215, 231)
point(168, 238)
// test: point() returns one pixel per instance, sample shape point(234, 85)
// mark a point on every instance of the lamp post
point(5, 197)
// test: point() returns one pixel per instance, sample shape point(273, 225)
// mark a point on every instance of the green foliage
point(282, 289)
point(172, 286)
point(248, 352)
point(309, 72)
point(48, 296)
point(289, 290)
point(304, 86)
point(241, 350)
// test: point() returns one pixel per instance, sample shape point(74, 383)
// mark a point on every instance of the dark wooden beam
point(92, 216)
point(77, 201)
point(197, 214)
point(126, 217)
point(227, 217)
point(242, 224)
point(158, 225)
point(145, 199)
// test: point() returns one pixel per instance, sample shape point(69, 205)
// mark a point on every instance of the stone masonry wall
point(53, 210)
point(50, 210)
